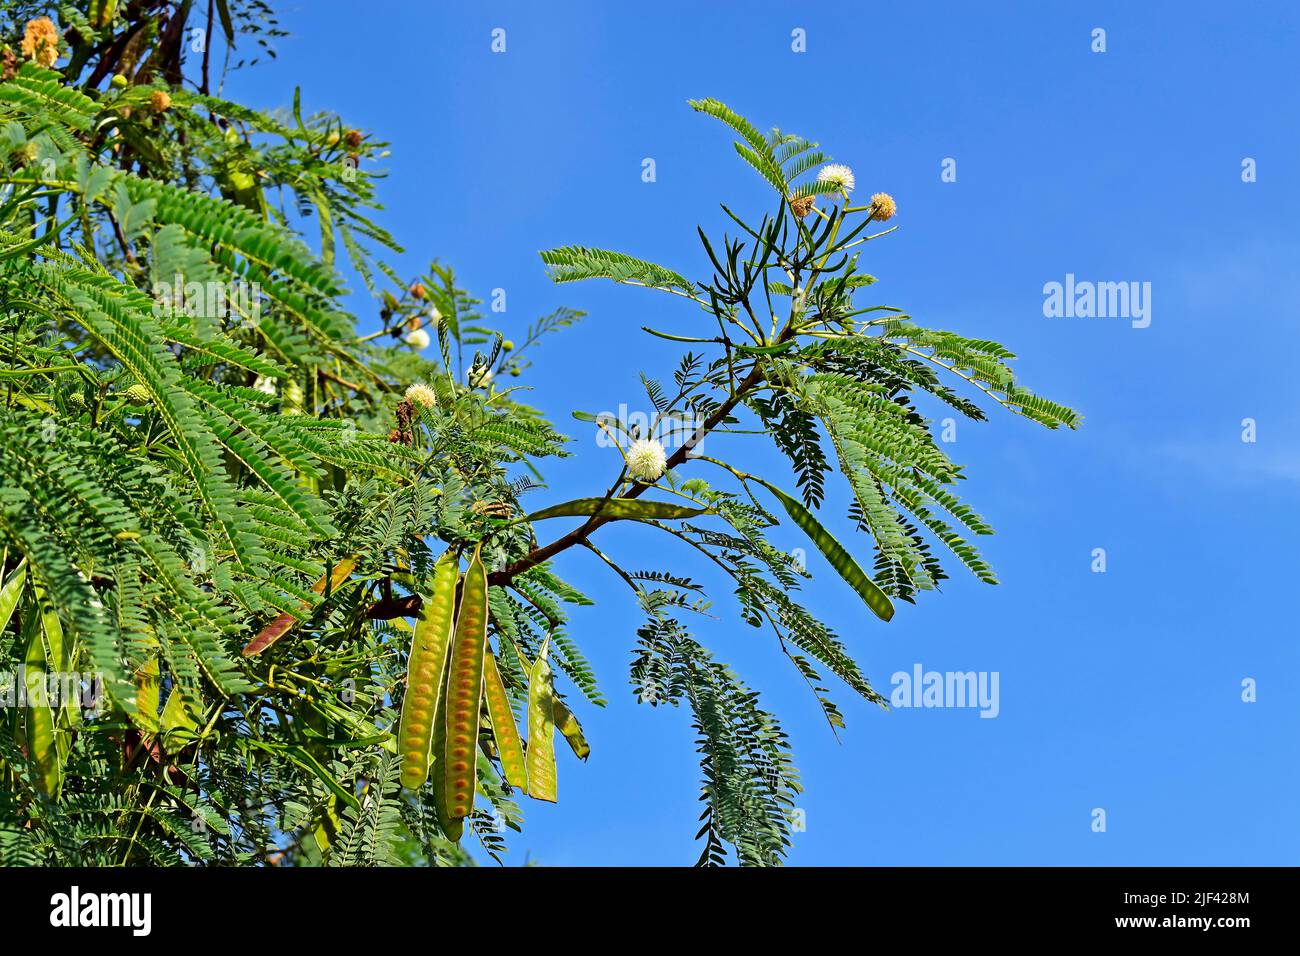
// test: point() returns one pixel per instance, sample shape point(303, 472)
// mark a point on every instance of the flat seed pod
point(179, 724)
point(834, 552)
point(633, 508)
point(568, 725)
point(68, 718)
point(541, 729)
point(509, 747)
point(452, 827)
point(11, 592)
point(282, 625)
point(148, 695)
point(465, 693)
point(39, 731)
point(424, 672)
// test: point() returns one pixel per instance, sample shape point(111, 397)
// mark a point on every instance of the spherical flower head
point(418, 291)
point(265, 384)
point(418, 340)
point(883, 207)
point(422, 395)
point(160, 101)
point(646, 460)
point(41, 41)
point(841, 177)
point(435, 317)
point(137, 394)
point(353, 138)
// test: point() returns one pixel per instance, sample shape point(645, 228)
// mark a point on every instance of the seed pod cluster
point(452, 676)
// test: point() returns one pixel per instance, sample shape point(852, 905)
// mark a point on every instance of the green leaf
point(573, 263)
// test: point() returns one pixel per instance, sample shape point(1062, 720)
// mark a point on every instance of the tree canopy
point(277, 581)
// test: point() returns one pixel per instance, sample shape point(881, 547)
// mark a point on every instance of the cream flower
point(646, 460)
point(422, 395)
point(885, 207)
point(265, 385)
point(841, 177)
point(418, 340)
point(435, 317)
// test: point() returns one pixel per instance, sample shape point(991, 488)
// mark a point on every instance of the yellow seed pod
point(424, 672)
point(464, 695)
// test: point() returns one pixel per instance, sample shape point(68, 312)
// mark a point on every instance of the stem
point(580, 534)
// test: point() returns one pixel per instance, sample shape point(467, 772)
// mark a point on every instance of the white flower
point(418, 340)
point(422, 395)
point(841, 177)
point(434, 316)
point(265, 385)
point(646, 460)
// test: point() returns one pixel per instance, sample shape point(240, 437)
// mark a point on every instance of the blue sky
point(1118, 690)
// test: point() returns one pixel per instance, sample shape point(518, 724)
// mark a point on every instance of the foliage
point(221, 507)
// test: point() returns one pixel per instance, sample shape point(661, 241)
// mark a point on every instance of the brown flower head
point(160, 101)
point(41, 41)
point(417, 290)
point(883, 207)
point(353, 138)
point(802, 205)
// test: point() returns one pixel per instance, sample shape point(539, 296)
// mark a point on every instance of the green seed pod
point(465, 693)
point(424, 673)
point(541, 729)
point(568, 725)
point(147, 696)
point(451, 826)
point(39, 735)
point(100, 13)
point(509, 748)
